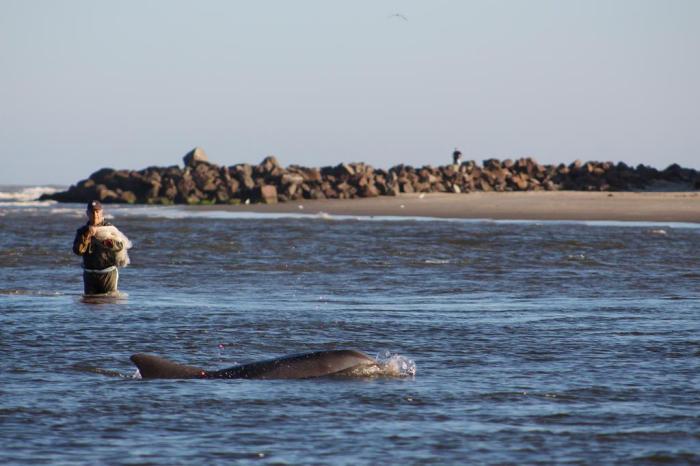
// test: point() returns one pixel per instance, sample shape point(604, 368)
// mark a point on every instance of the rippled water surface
point(533, 342)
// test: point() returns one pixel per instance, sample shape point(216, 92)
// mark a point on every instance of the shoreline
point(537, 205)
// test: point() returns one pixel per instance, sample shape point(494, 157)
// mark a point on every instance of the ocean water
point(533, 342)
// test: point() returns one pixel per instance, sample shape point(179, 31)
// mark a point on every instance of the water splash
point(395, 365)
point(388, 365)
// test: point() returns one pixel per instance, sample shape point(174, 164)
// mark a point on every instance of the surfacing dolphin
point(295, 366)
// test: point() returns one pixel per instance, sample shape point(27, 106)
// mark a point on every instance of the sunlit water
point(532, 342)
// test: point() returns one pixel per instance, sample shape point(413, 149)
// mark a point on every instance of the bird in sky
point(399, 15)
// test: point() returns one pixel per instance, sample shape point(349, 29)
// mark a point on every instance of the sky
point(131, 84)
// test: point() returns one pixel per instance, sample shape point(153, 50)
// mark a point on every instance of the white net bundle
point(111, 232)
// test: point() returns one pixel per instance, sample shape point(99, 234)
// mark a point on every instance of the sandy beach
point(539, 205)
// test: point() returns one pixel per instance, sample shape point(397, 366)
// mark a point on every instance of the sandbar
point(532, 205)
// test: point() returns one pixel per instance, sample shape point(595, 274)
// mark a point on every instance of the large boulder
point(194, 156)
point(269, 164)
point(267, 194)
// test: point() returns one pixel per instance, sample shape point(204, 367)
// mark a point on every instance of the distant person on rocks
point(456, 157)
point(103, 248)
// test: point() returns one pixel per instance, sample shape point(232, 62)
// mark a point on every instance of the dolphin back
point(154, 367)
point(298, 366)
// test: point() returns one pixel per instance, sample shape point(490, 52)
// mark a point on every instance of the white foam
point(395, 365)
point(436, 261)
point(27, 203)
point(26, 194)
point(71, 212)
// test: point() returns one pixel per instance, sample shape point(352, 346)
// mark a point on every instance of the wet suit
point(100, 274)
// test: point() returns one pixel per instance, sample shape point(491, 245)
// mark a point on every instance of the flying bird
point(398, 15)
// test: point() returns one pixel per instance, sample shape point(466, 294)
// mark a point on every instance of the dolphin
point(295, 366)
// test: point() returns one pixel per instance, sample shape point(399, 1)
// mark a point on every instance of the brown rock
point(195, 155)
point(439, 187)
point(267, 194)
point(343, 187)
point(241, 169)
point(492, 164)
point(105, 194)
point(247, 181)
point(186, 184)
point(292, 178)
point(549, 186)
point(329, 192)
point(270, 163)
point(290, 190)
point(205, 177)
point(421, 187)
point(168, 189)
point(316, 194)
point(222, 195)
point(345, 169)
point(312, 174)
point(233, 187)
point(519, 182)
point(127, 197)
point(369, 190)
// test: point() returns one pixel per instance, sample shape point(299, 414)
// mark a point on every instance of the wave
point(25, 292)
point(436, 261)
point(182, 212)
point(27, 203)
point(23, 194)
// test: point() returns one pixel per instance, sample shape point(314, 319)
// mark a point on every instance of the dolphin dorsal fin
point(155, 367)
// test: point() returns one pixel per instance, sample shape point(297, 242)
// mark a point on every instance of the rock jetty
point(202, 182)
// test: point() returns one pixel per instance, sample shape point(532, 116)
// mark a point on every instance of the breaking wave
point(19, 194)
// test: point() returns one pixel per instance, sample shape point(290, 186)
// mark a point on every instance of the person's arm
point(81, 243)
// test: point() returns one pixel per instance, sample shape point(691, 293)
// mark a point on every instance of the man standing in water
point(100, 274)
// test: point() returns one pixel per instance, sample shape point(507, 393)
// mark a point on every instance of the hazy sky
point(129, 84)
